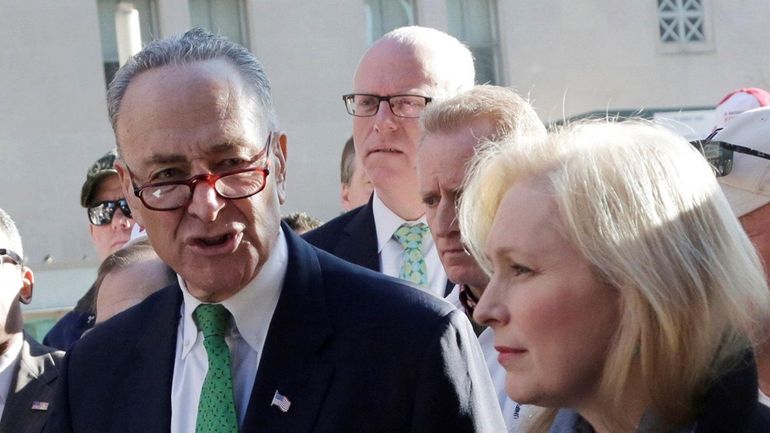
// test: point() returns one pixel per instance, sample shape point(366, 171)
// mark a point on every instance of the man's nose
point(121, 220)
point(446, 219)
point(205, 203)
point(385, 119)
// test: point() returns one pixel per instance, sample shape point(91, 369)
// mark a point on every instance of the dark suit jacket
point(353, 350)
point(34, 381)
point(352, 236)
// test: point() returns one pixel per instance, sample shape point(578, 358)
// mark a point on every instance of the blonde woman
point(624, 295)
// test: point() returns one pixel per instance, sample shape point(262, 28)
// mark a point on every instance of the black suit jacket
point(353, 350)
point(352, 237)
point(31, 393)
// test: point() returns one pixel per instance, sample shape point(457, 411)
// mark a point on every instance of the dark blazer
point(32, 389)
point(352, 237)
point(353, 350)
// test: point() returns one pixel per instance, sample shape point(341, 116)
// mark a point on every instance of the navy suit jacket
point(352, 236)
point(353, 350)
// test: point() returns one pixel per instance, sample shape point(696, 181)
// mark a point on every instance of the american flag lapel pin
point(39, 405)
point(280, 401)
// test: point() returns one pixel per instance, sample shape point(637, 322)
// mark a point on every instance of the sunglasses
point(8, 256)
point(102, 212)
point(720, 153)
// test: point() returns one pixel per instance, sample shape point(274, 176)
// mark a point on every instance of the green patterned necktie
point(216, 409)
point(413, 263)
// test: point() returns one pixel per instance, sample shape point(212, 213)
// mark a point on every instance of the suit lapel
point(147, 402)
point(291, 362)
point(359, 245)
point(33, 383)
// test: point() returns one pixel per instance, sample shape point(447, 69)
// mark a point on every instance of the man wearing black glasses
point(110, 225)
point(740, 153)
point(262, 332)
point(395, 80)
point(28, 370)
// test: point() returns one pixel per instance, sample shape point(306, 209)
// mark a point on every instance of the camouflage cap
point(103, 167)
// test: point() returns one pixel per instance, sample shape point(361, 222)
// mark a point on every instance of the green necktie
point(413, 263)
point(216, 409)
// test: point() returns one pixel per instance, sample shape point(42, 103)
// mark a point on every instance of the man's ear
point(345, 196)
point(28, 282)
point(280, 166)
point(128, 191)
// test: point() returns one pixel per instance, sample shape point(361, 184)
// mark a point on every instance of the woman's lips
point(508, 354)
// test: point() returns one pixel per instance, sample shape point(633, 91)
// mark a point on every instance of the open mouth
point(214, 241)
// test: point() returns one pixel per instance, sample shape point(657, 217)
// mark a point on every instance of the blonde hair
point(644, 208)
point(509, 114)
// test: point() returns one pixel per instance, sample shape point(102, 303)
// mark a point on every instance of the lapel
point(147, 402)
point(34, 379)
point(292, 362)
point(359, 244)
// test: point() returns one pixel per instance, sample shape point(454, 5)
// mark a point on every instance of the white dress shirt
point(390, 250)
point(764, 399)
point(8, 362)
point(252, 309)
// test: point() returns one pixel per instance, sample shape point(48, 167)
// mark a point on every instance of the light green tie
point(216, 409)
point(413, 267)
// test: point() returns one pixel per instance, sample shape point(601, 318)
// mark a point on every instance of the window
point(383, 16)
point(109, 13)
point(474, 23)
point(223, 17)
point(683, 26)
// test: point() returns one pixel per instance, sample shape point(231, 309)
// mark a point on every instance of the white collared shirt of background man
point(8, 362)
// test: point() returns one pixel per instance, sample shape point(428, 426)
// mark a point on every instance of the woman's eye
point(520, 270)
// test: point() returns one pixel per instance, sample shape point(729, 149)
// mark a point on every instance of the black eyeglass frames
point(366, 105)
point(8, 256)
point(720, 153)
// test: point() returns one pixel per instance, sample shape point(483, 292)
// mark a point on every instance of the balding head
point(407, 61)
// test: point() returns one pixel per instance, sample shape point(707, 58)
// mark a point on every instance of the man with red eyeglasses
point(261, 332)
point(110, 224)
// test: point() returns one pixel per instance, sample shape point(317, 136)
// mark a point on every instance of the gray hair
point(195, 45)
point(8, 228)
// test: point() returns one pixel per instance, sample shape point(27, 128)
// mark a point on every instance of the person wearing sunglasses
point(740, 155)
point(109, 217)
point(28, 370)
point(109, 223)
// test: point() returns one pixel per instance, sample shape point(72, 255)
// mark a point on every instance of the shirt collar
point(8, 361)
point(252, 307)
point(386, 222)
